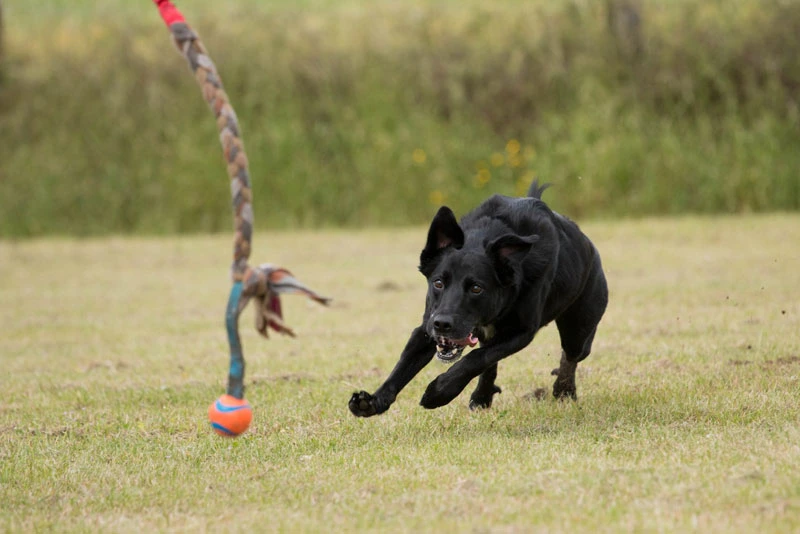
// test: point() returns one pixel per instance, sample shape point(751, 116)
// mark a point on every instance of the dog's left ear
point(507, 252)
point(444, 232)
point(511, 246)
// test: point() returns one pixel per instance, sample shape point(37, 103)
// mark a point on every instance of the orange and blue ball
point(230, 416)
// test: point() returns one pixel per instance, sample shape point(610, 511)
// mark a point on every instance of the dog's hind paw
point(565, 390)
point(481, 401)
point(362, 404)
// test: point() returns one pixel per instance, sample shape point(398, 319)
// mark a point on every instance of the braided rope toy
point(265, 282)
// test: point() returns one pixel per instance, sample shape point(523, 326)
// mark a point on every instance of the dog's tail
point(536, 190)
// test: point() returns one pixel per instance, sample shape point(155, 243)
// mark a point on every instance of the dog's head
point(472, 280)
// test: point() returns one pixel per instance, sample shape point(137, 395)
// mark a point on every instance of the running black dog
point(512, 266)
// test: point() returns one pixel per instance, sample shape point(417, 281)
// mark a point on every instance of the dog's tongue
point(472, 340)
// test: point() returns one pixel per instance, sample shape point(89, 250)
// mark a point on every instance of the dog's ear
point(510, 246)
point(507, 251)
point(444, 232)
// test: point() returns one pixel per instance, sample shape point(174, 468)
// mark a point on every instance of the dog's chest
point(486, 333)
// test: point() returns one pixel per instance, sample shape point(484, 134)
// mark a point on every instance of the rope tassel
point(266, 282)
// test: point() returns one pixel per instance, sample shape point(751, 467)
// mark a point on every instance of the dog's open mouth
point(449, 350)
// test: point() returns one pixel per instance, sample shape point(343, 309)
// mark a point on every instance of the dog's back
point(563, 257)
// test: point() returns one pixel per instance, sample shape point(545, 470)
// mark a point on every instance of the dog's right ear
point(507, 251)
point(444, 232)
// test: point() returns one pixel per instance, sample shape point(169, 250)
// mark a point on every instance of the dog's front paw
point(438, 394)
point(362, 404)
point(481, 400)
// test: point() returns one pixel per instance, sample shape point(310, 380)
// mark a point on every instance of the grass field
point(688, 416)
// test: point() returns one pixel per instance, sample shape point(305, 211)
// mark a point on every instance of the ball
point(230, 416)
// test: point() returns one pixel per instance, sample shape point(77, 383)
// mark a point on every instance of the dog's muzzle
point(450, 350)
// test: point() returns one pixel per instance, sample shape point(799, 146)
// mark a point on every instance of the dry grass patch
point(687, 418)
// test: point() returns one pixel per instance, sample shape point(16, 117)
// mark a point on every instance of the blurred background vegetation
point(369, 112)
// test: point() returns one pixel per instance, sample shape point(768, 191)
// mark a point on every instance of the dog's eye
point(476, 289)
point(438, 284)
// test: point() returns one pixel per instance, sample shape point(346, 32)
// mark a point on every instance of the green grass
point(688, 416)
point(364, 113)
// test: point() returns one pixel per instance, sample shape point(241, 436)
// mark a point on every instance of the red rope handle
point(169, 12)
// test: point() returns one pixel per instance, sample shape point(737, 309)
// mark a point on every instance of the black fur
point(511, 267)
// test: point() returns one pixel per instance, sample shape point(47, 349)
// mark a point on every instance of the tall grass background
point(373, 113)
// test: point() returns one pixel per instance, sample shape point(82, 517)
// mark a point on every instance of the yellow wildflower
point(482, 178)
point(529, 153)
point(512, 147)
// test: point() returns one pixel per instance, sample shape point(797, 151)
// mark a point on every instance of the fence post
point(1, 41)
point(625, 24)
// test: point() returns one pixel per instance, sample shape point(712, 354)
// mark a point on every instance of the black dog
point(511, 267)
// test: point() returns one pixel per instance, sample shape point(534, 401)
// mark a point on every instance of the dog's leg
point(564, 386)
point(481, 398)
point(577, 327)
point(448, 385)
point(417, 354)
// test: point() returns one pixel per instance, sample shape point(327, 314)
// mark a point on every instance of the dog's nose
point(443, 324)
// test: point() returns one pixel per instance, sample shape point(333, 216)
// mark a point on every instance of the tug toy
point(265, 283)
